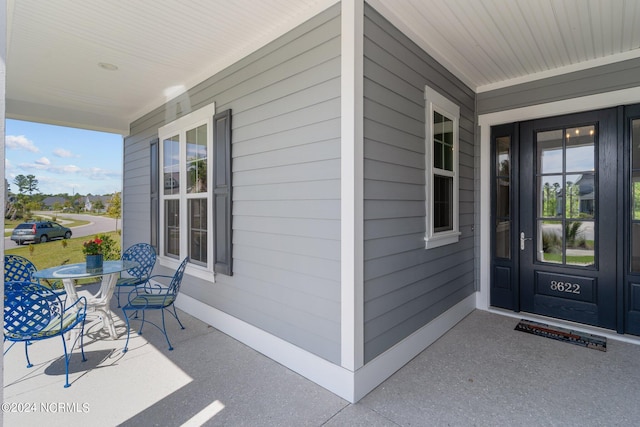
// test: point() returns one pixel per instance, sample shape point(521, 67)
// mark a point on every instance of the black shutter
point(154, 157)
point(222, 193)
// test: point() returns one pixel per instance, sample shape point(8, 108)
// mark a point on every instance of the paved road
point(98, 224)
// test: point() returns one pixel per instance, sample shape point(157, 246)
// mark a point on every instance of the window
point(441, 163)
point(186, 210)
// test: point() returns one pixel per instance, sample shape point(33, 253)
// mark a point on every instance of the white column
point(352, 298)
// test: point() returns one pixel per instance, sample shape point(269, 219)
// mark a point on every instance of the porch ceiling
point(160, 48)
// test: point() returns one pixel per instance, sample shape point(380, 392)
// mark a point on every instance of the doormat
point(573, 337)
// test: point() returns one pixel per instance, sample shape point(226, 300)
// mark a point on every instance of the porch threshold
point(594, 330)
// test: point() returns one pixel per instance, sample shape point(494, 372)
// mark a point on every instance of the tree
point(26, 184)
point(21, 182)
point(115, 208)
point(98, 205)
point(32, 184)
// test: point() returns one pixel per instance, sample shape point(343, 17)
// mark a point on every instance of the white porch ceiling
point(162, 47)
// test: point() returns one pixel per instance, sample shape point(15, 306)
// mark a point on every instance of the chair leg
point(26, 353)
point(126, 344)
point(143, 320)
point(164, 329)
point(175, 314)
point(66, 362)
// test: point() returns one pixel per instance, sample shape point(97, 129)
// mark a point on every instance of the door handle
point(523, 239)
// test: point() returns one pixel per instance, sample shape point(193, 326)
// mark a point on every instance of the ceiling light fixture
point(107, 66)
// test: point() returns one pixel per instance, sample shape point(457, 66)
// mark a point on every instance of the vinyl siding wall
point(606, 78)
point(285, 101)
point(405, 285)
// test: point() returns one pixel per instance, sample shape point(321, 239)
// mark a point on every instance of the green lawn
point(57, 252)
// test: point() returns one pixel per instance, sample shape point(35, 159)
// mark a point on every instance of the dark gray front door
point(568, 217)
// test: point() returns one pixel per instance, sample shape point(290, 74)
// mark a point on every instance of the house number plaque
point(565, 286)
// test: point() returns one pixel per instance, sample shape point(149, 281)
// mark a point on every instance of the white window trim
point(434, 101)
point(179, 127)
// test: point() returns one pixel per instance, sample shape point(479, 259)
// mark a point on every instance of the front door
point(556, 218)
point(568, 217)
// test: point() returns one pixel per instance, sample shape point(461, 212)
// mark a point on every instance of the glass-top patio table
point(98, 303)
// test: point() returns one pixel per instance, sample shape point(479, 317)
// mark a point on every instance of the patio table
point(99, 302)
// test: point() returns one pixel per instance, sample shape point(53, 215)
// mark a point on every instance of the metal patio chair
point(20, 269)
point(154, 296)
point(33, 312)
point(145, 256)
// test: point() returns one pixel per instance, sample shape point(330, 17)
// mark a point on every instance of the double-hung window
point(442, 122)
point(185, 202)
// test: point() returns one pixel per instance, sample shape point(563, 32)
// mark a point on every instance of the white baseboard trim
point(338, 380)
point(382, 367)
point(322, 372)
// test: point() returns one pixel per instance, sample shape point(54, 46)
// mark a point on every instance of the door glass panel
point(581, 149)
point(503, 238)
point(635, 195)
point(550, 241)
point(567, 196)
point(580, 196)
point(550, 190)
point(550, 151)
point(503, 197)
point(635, 247)
point(635, 144)
point(579, 238)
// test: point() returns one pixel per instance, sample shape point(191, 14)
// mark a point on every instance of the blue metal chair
point(33, 312)
point(155, 297)
point(20, 269)
point(145, 256)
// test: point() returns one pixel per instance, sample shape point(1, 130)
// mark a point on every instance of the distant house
point(90, 203)
point(50, 202)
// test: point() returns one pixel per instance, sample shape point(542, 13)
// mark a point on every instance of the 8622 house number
point(571, 288)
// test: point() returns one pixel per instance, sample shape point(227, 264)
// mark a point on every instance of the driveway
point(97, 224)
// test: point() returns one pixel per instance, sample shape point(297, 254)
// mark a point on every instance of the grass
point(571, 259)
point(50, 254)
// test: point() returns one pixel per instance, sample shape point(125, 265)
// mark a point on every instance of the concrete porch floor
point(482, 372)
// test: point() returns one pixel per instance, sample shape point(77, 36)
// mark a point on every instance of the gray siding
point(606, 78)
point(406, 286)
point(285, 101)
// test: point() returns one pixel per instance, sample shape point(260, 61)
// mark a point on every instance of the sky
point(63, 160)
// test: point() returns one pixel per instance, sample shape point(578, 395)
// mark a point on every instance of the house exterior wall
point(605, 78)
point(405, 285)
point(285, 102)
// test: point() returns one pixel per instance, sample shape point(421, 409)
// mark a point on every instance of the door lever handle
point(523, 239)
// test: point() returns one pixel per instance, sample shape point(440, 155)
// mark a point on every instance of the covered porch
point(482, 372)
point(352, 303)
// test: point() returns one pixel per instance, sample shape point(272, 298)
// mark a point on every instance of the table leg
point(100, 303)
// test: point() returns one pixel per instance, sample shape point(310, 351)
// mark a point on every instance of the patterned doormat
point(573, 337)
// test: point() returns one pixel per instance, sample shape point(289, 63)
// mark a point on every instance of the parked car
point(39, 232)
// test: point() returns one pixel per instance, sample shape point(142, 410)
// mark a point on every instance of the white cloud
point(43, 161)
point(69, 169)
point(61, 152)
point(20, 142)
